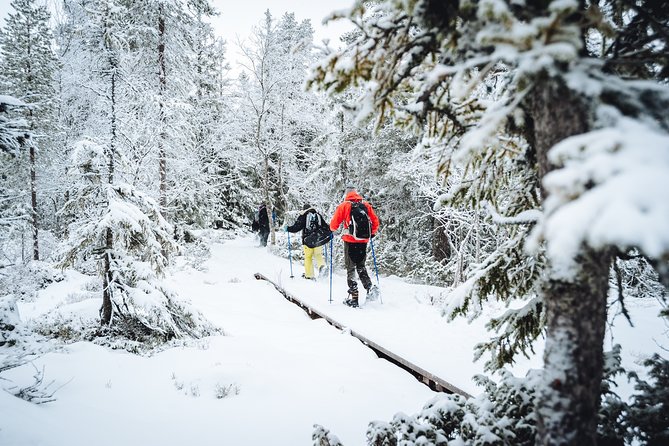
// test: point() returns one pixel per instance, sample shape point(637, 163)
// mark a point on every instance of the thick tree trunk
point(576, 306)
point(574, 357)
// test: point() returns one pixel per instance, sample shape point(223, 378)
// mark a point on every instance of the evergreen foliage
point(646, 417)
point(515, 107)
point(12, 130)
point(27, 68)
point(143, 139)
point(141, 237)
point(506, 413)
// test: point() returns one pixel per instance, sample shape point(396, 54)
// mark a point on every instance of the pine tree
point(13, 135)
point(27, 66)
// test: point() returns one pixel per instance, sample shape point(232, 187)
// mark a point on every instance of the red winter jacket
point(343, 215)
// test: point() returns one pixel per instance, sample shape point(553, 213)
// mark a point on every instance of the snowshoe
point(350, 302)
point(373, 294)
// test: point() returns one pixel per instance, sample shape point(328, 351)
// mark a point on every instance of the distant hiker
point(315, 234)
point(261, 224)
point(360, 224)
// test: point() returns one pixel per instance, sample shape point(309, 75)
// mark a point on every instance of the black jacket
point(310, 235)
point(261, 221)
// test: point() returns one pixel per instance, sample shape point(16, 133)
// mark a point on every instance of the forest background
point(515, 153)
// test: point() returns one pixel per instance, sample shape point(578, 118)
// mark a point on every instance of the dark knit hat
point(306, 206)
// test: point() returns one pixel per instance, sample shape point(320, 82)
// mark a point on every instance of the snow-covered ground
point(272, 375)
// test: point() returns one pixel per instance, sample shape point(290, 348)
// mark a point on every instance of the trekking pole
point(331, 269)
point(376, 269)
point(290, 255)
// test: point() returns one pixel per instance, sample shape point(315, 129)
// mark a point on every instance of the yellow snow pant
point(309, 255)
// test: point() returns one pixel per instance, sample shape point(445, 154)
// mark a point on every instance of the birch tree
point(276, 60)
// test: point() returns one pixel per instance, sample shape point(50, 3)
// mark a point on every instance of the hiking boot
point(352, 299)
point(350, 302)
point(308, 278)
point(372, 293)
point(322, 271)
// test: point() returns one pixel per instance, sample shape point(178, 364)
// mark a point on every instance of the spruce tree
point(115, 221)
point(27, 66)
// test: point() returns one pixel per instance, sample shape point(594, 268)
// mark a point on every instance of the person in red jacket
point(355, 246)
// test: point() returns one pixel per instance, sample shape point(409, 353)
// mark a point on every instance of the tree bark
point(441, 248)
point(575, 307)
point(33, 202)
point(162, 82)
point(574, 357)
point(107, 277)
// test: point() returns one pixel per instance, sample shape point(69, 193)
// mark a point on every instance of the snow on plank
point(432, 381)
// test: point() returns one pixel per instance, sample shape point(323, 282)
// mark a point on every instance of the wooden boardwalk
point(429, 379)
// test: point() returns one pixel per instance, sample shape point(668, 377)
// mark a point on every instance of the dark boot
point(352, 299)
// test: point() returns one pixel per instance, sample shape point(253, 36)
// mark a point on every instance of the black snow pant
point(264, 233)
point(354, 259)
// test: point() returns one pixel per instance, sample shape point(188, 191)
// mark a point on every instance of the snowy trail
point(404, 323)
point(291, 371)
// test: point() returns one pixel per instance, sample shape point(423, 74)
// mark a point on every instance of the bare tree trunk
point(106, 310)
point(107, 278)
point(441, 248)
point(343, 167)
point(162, 82)
point(33, 202)
point(33, 175)
point(575, 307)
point(269, 206)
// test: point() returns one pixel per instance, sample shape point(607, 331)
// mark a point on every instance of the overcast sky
point(238, 17)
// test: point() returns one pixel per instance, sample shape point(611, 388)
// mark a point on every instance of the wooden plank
point(431, 380)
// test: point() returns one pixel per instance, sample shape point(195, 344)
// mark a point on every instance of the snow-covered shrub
point(24, 281)
point(633, 277)
point(505, 413)
point(195, 250)
point(124, 230)
point(39, 392)
point(9, 319)
point(322, 437)
point(224, 391)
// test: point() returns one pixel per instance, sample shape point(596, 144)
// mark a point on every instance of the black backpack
point(312, 221)
point(316, 230)
point(360, 227)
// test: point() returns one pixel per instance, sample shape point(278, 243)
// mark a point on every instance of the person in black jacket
point(261, 224)
point(315, 233)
